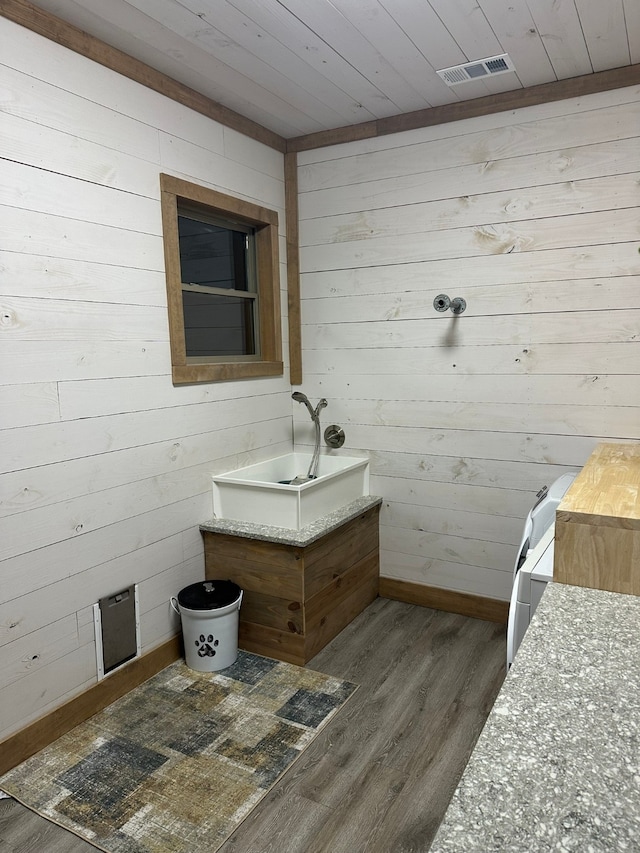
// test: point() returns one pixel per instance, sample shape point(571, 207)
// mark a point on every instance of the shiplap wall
point(532, 216)
point(105, 464)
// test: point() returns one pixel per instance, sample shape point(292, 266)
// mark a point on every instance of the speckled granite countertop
point(557, 766)
point(287, 536)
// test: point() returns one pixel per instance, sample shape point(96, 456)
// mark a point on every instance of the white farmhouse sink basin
point(256, 494)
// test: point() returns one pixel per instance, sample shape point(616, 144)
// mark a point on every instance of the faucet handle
point(334, 436)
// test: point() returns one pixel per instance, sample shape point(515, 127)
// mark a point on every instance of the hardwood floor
point(380, 776)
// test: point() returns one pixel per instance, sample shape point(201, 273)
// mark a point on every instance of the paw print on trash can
point(205, 649)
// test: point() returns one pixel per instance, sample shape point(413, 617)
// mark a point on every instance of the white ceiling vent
point(476, 70)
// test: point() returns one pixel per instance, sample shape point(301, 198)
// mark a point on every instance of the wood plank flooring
point(379, 778)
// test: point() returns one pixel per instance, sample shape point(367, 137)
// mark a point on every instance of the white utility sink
point(256, 493)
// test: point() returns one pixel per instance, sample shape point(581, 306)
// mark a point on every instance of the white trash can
point(210, 612)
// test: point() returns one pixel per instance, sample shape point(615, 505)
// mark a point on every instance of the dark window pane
point(212, 255)
point(218, 325)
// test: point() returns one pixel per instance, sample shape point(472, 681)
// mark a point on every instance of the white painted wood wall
point(105, 464)
point(532, 216)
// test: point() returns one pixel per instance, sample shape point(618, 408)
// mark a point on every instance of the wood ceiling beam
point(574, 87)
point(293, 267)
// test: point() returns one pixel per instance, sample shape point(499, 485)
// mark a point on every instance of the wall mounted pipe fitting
point(442, 303)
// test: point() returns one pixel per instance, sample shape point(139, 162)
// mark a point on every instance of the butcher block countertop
point(598, 523)
point(607, 489)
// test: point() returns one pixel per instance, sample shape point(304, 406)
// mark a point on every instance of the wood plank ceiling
point(303, 66)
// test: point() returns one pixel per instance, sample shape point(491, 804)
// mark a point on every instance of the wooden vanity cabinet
point(296, 599)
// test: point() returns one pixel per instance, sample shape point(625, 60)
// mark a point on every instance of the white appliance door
point(518, 621)
point(540, 564)
point(525, 544)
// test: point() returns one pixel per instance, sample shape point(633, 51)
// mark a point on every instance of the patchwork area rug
point(177, 764)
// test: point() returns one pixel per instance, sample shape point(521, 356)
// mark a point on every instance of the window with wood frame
point(223, 292)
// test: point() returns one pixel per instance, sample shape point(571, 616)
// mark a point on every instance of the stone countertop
point(557, 766)
point(287, 536)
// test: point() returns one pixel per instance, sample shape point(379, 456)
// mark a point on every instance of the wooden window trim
point(173, 191)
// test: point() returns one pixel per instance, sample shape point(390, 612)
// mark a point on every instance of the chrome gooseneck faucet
point(299, 397)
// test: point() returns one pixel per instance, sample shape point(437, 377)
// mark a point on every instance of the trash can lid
point(209, 595)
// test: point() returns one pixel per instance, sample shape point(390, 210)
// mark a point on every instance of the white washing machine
point(534, 564)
